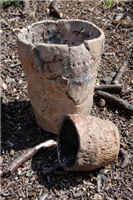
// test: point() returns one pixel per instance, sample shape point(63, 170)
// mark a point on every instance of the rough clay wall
point(60, 79)
point(99, 142)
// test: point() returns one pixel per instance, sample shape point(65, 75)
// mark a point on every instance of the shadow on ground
point(19, 127)
point(21, 132)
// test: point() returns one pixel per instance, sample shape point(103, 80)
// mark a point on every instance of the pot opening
point(68, 144)
point(63, 32)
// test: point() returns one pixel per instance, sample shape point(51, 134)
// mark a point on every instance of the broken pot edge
point(25, 36)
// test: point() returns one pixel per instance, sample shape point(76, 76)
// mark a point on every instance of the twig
point(26, 6)
point(117, 27)
point(115, 88)
point(1, 103)
point(1, 96)
point(98, 182)
point(61, 172)
point(54, 10)
point(15, 65)
point(51, 169)
point(117, 102)
point(125, 158)
point(25, 156)
point(120, 73)
point(129, 45)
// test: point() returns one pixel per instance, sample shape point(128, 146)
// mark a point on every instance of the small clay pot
point(86, 143)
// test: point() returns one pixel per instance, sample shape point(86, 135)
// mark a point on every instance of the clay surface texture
point(86, 143)
point(60, 60)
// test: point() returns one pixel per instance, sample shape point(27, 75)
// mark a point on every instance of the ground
point(19, 127)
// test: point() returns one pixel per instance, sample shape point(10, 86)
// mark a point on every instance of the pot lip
point(27, 29)
point(68, 117)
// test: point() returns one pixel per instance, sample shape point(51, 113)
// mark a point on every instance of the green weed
point(6, 3)
point(107, 3)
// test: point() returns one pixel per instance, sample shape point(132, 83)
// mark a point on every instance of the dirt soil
point(19, 127)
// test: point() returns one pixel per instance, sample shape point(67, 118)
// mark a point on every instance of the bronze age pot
point(86, 143)
point(60, 60)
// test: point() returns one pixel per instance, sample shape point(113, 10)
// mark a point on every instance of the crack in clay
point(40, 61)
point(69, 63)
point(83, 79)
point(80, 81)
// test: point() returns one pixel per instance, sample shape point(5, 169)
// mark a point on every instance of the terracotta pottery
point(86, 143)
point(60, 60)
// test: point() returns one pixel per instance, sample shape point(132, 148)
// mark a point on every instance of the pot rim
point(22, 34)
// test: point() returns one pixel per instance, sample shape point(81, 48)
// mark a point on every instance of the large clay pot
point(60, 60)
point(86, 143)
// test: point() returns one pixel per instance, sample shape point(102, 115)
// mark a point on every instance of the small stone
point(63, 192)
point(19, 172)
point(12, 152)
point(125, 92)
point(16, 178)
point(128, 19)
point(64, 197)
point(130, 35)
point(1, 173)
point(125, 146)
point(17, 97)
point(1, 80)
point(20, 82)
point(4, 85)
point(47, 11)
point(112, 74)
point(104, 20)
point(9, 144)
point(80, 1)
point(116, 112)
point(103, 178)
point(98, 182)
point(1, 160)
point(92, 188)
point(120, 8)
point(98, 197)
point(105, 171)
point(101, 102)
point(119, 16)
point(79, 194)
point(10, 80)
point(44, 197)
point(22, 74)
point(107, 79)
point(111, 17)
point(14, 89)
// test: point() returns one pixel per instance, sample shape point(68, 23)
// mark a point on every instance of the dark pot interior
point(68, 32)
point(68, 144)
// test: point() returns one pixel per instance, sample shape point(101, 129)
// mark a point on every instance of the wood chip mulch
point(19, 127)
